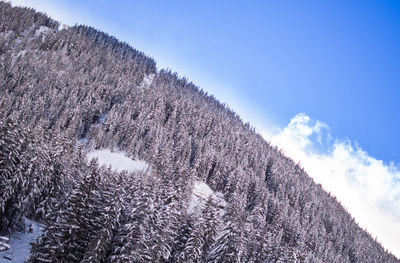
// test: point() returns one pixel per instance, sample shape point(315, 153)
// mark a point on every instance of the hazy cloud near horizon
point(368, 188)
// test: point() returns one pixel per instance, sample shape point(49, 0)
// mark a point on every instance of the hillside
point(214, 190)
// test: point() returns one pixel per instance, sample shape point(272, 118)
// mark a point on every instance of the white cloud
point(368, 188)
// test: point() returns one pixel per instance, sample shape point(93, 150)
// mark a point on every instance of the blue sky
point(331, 69)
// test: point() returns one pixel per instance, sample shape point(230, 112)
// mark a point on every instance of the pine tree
point(230, 244)
point(84, 231)
point(13, 180)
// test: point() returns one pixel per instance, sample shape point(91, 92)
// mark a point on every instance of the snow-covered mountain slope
point(216, 190)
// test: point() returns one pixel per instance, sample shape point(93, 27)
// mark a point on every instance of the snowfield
point(147, 81)
point(42, 31)
point(117, 160)
point(200, 195)
point(20, 243)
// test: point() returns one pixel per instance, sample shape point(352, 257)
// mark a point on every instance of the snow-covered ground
point(20, 243)
point(103, 117)
point(42, 31)
point(147, 81)
point(200, 195)
point(117, 160)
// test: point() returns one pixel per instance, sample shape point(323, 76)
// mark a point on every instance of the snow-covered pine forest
point(214, 190)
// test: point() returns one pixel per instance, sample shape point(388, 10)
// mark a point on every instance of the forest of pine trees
point(66, 91)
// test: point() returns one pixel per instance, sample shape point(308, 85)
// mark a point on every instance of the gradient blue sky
point(337, 61)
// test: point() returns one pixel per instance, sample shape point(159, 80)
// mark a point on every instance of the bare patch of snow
point(20, 243)
point(103, 117)
point(202, 190)
point(42, 31)
point(201, 194)
point(147, 81)
point(118, 161)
